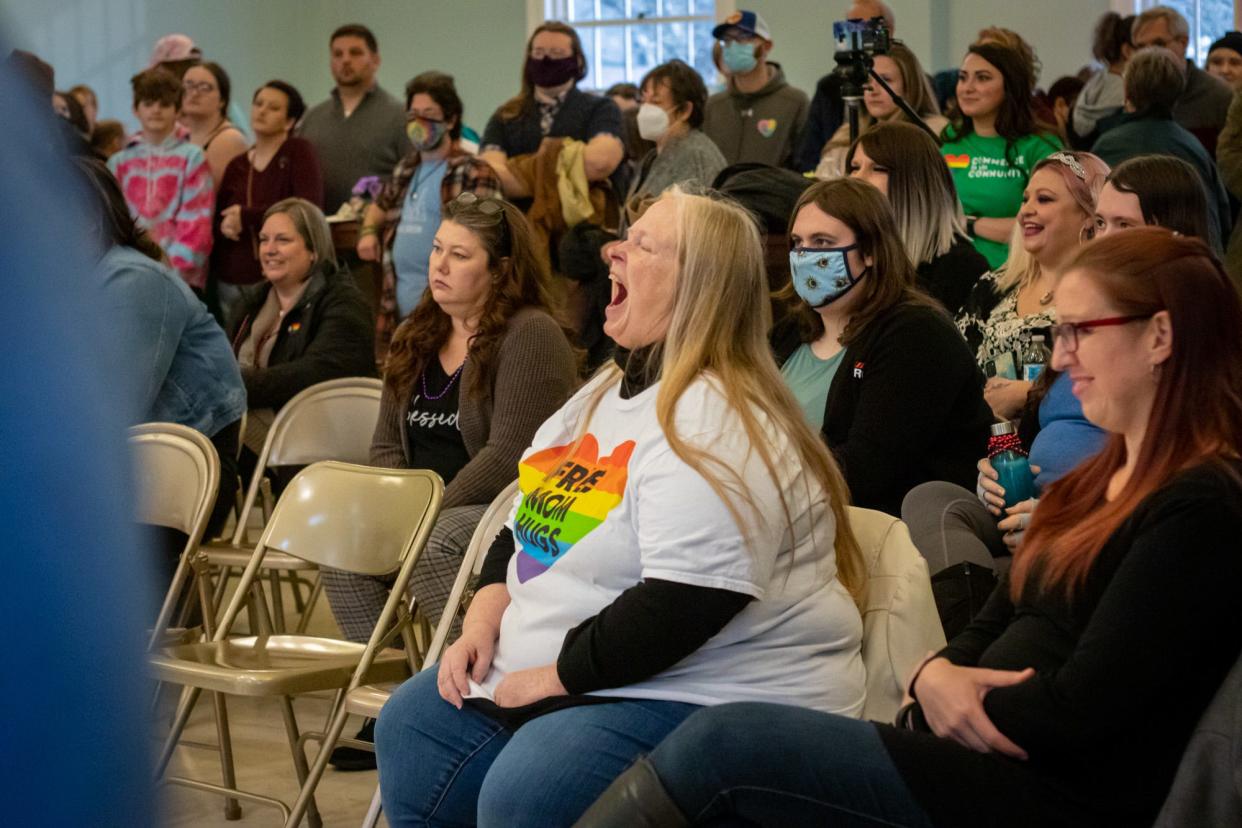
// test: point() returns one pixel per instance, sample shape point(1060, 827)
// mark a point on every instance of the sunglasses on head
point(492, 208)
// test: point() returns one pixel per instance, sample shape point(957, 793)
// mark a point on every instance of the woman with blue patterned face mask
point(877, 365)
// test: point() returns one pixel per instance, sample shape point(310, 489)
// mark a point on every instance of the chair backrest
point(490, 524)
point(332, 420)
point(900, 623)
point(177, 475)
point(1207, 789)
point(355, 518)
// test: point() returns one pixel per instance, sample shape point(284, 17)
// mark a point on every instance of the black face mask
point(548, 72)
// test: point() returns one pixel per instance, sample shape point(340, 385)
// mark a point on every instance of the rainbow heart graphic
point(957, 162)
point(564, 498)
point(767, 127)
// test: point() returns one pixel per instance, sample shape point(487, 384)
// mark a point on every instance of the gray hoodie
point(762, 127)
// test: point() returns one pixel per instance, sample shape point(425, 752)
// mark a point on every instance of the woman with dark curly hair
point(473, 371)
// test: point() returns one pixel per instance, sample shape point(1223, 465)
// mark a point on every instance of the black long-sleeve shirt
point(1123, 672)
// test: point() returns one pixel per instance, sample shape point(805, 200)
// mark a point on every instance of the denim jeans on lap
point(441, 766)
point(770, 764)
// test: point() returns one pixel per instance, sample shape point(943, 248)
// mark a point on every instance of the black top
point(328, 334)
point(647, 629)
point(431, 423)
point(950, 277)
point(582, 116)
point(905, 407)
point(824, 118)
point(1123, 672)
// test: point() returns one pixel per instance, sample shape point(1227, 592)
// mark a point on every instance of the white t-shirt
point(624, 507)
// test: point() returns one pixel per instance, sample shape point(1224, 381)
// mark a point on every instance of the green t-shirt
point(987, 184)
point(808, 377)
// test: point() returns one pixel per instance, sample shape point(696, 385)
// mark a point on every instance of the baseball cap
point(174, 47)
point(747, 21)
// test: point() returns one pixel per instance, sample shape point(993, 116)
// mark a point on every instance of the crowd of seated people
point(551, 307)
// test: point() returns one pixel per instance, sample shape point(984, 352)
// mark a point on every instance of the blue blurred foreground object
point(74, 589)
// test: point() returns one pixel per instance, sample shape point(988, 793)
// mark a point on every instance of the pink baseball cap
point(174, 47)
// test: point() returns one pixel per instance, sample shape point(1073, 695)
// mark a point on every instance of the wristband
point(914, 678)
point(970, 226)
point(368, 230)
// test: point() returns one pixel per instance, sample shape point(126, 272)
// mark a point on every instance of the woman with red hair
point(1070, 698)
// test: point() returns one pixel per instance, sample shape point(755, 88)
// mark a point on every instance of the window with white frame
point(1208, 19)
point(624, 39)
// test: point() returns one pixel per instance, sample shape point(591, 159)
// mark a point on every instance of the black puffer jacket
point(328, 334)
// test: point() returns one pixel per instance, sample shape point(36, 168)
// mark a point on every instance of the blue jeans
point(443, 766)
point(770, 764)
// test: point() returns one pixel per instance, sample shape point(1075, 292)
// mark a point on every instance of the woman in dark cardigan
point(1070, 699)
point(877, 365)
point(472, 374)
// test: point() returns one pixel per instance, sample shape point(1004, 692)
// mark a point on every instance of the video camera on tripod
point(857, 44)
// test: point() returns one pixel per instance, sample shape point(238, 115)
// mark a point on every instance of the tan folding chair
point(367, 700)
point(332, 420)
point(900, 622)
point(355, 518)
point(177, 473)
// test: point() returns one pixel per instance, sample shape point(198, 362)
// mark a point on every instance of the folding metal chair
point(900, 622)
point(367, 699)
point(177, 473)
point(355, 518)
point(331, 420)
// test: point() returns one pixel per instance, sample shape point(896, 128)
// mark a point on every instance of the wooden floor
point(263, 760)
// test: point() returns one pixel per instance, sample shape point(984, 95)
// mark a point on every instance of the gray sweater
point(763, 127)
point(690, 159)
point(369, 142)
point(535, 372)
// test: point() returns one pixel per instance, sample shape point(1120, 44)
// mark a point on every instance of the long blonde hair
point(719, 326)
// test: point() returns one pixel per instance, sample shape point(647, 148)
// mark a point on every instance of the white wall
point(103, 42)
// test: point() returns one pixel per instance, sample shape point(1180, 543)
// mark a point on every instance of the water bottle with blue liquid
point(1035, 357)
point(1007, 456)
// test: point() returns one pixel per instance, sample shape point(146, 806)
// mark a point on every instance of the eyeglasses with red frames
point(1067, 332)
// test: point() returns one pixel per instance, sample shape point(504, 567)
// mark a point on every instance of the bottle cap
point(1002, 428)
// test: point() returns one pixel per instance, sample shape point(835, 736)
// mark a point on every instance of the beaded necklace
point(427, 395)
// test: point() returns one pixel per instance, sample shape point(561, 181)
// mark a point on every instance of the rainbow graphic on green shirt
point(564, 497)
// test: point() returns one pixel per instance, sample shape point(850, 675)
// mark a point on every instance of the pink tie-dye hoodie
point(170, 193)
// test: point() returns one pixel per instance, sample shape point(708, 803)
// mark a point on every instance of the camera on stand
point(857, 44)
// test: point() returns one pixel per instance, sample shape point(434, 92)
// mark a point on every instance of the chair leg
point(316, 591)
point(306, 797)
point(295, 586)
point(373, 813)
point(278, 603)
point(232, 808)
point(217, 598)
point(299, 762)
point(185, 706)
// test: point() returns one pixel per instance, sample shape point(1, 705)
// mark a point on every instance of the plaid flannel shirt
point(464, 173)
